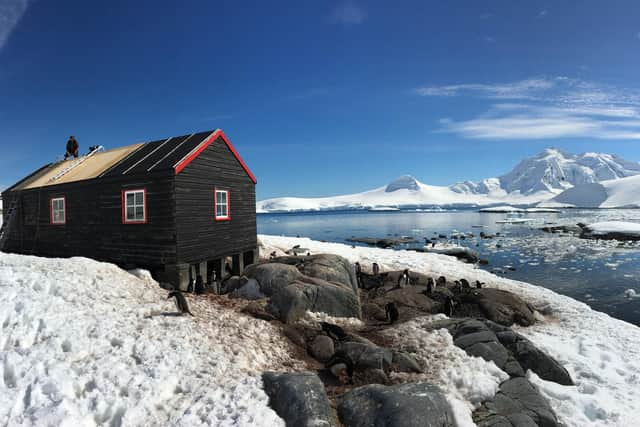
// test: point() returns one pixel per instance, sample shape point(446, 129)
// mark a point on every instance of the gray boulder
point(272, 277)
point(321, 348)
point(365, 356)
point(291, 303)
point(328, 267)
point(509, 350)
point(499, 306)
point(299, 399)
point(517, 403)
point(405, 405)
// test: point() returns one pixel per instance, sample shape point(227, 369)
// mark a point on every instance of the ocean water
point(598, 273)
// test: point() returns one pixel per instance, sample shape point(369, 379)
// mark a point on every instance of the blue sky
point(324, 97)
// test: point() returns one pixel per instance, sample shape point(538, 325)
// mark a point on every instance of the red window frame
point(215, 211)
point(64, 211)
point(124, 206)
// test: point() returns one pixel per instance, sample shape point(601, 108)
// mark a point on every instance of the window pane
point(139, 198)
point(131, 212)
point(139, 212)
point(218, 197)
point(130, 198)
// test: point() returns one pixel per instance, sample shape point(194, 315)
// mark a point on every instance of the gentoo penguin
point(181, 302)
point(392, 312)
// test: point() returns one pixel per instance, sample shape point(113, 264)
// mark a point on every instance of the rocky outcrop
point(497, 305)
point(294, 300)
point(405, 405)
point(272, 277)
point(509, 350)
point(518, 403)
point(299, 399)
point(384, 242)
point(318, 283)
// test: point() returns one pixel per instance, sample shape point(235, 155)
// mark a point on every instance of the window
point(58, 210)
point(134, 206)
point(221, 205)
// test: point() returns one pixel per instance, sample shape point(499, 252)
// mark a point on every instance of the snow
point(601, 353)
point(466, 380)
point(85, 343)
point(401, 193)
point(607, 227)
point(534, 180)
point(617, 193)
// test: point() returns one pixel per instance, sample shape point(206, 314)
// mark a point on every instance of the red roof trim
point(218, 133)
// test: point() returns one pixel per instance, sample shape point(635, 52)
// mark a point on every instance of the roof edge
point(184, 162)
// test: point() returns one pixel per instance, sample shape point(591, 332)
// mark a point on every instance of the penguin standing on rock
point(181, 302)
point(392, 312)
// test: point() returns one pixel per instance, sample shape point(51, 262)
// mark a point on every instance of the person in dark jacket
point(72, 148)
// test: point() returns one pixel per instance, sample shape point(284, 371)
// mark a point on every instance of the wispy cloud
point(489, 39)
point(348, 13)
point(10, 13)
point(486, 15)
point(546, 108)
point(542, 13)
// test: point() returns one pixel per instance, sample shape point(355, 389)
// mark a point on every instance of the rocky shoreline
point(357, 375)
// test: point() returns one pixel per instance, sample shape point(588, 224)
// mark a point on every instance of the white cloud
point(10, 13)
point(543, 13)
point(546, 108)
point(517, 90)
point(349, 13)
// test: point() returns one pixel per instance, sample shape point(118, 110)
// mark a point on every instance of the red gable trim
point(200, 148)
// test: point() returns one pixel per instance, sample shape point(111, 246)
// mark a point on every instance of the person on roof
point(72, 148)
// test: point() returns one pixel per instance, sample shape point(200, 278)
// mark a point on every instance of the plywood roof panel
point(91, 167)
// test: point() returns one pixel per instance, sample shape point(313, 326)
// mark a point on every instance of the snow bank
point(501, 209)
point(466, 380)
point(600, 352)
point(607, 227)
point(85, 343)
point(616, 193)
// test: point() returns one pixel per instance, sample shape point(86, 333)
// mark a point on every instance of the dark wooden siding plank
point(200, 237)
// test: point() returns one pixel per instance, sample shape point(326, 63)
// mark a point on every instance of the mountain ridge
point(533, 180)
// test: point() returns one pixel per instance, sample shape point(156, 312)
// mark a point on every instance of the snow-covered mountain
point(533, 180)
point(615, 193)
point(403, 192)
point(554, 171)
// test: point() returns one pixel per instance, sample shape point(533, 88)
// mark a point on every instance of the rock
point(572, 229)
point(509, 350)
point(258, 310)
point(321, 348)
point(291, 303)
point(405, 405)
point(328, 267)
point(545, 366)
point(365, 356)
point(402, 362)
point(374, 311)
point(250, 290)
point(517, 403)
point(409, 296)
point(499, 306)
point(231, 284)
point(295, 333)
point(385, 242)
point(299, 399)
point(272, 277)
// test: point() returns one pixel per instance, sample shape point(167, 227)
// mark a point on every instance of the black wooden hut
point(181, 207)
